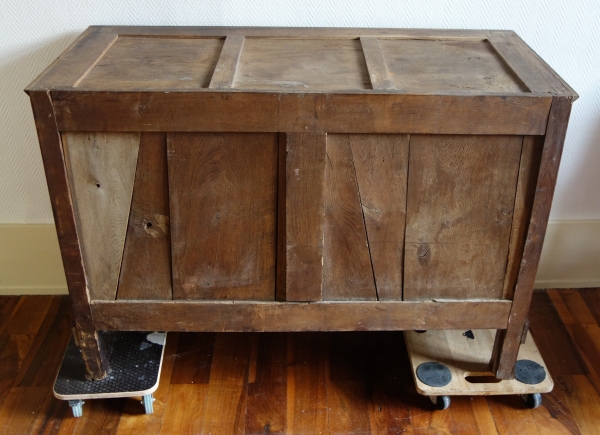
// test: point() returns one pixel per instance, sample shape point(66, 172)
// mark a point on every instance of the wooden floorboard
point(351, 383)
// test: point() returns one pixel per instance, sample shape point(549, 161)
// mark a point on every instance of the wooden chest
point(279, 179)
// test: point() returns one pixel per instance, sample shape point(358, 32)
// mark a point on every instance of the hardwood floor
point(301, 383)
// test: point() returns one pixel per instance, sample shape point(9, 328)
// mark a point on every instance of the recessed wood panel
point(302, 64)
point(101, 168)
point(222, 192)
point(461, 197)
point(429, 66)
point(154, 64)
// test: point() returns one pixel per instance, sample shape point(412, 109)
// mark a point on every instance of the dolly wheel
point(440, 402)
point(76, 407)
point(148, 402)
point(533, 400)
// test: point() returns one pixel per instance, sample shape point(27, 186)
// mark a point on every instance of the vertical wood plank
point(53, 157)
point(194, 358)
point(511, 416)
point(101, 169)
point(378, 70)
point(186, 409)
point(224, 73)
point(506, 346)
point(21, 409)
point(528, 171)
point(584, 401)
point(347, 270)
point(222, 191)
point(146, 267)
point(381, 164)
point(304, 208)
point(461, 193)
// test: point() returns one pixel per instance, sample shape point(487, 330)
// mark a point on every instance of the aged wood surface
point(220, 316)
point(507, 342)
point(101, 168)
point(225, 70)
point(301, 202)
point(379, 74)
point(301, 112)
point(381, 165)
point(347, 270)
point(146, 266)
point(302, 64)
point(222, 192)
point(154, 63)
point(342, 381)
point(64, 219)
point(461, 193)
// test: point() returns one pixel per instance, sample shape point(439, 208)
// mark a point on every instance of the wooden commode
point(290, 179)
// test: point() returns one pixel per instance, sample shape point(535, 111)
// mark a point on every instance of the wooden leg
point(93, 353)
point(508, 341)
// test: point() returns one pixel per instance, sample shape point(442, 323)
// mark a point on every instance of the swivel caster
point(440, 402)
point(533, 400)
point(76, 407)
point(148, 402)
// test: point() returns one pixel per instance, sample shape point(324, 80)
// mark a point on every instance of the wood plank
point(300, 112)
point(528, 171)
point(592, 300)
point(194, 358)
point(304, 215)
point(378, 70)
point(472, 415)
point(507, 342)
point(101, 168)
point(225, 70)
point(227, 388)
point(232, 179)
point(28, 315)
point(458, 221)
point(266, 408)
point(146, 266)
point(13, 351)
point(62, 208)
point(186, 409)
point(278, 317)
point(584, 401)
point(554, 416)
point(511, 416)
point(573, 307)
point(347, 269)
point(7, 307)
point(587, 340)
point(21, 409)
point(381, 165)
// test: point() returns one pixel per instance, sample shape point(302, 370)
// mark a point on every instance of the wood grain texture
point(381, 165)
point(146, 265)
point(101, 169)
point(528, 171)
point(459, 214)
point(274, 316)
point(302, 64)
point(507, 342)
point(378, 70)
point(347, 270)
point(154, 63)
point(225, 70)
point(304, 214)
point(227, 250)
point(64, 219)
point(523, 114)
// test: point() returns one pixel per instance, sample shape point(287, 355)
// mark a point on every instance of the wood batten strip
point(506, 346)
point(378, 70)
point(301, 274)
point(277, 317)
point(224, 73)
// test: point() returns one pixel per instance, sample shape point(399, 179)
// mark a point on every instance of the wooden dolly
point(456, 362)
point(135, 359)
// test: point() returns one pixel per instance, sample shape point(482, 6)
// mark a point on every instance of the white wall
point(566, 33)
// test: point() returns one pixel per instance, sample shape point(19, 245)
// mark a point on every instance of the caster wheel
point(440, 402)
point(76, 407)
point(148, 402)
point(532, 401)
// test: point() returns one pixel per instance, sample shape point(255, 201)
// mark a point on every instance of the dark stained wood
point(592, 300)
point(301, 248)
point(225, 70)
point(193, 359)
point(21, 409)
point(572, 306)
point(7, 306)
point(266, 408)
point(583, 400)
point(507, 342)
point(278, 317)
point(511, 416)
point(13, 351)
point(64, 219)
point(146, 266)
point(36, 307)
point(300, 112)
point(528, 171)
point(347, 270)
point(458, 222)
point(554, 416)
point(378, 70)
point(381, 165)
point(227, 249)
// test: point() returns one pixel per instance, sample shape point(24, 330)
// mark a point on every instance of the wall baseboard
point(30, 261)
